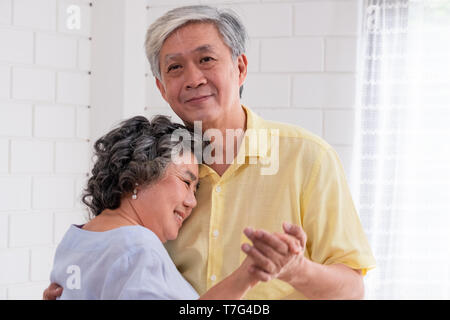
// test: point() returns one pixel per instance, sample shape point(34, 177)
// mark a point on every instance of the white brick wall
point(4, 81)
point(73, 88)
point(279, 86)
point(292, 55)
point(4, 150)
point(20, 48)
point(44, 132)
point(15, 266)
point(22, 229)
point(83, 122)
point(53, 192)
point(56, 51)
point(323, 90)
point(5, 11)
point(33, 84)
point(4, 227)
point(340, 54)
point(15, 191)
point(326, 18)
point(37, 14)
point(334, 121)
point(302, 63)
point(84, 54)
point(255, 17)
point(16, 119)
point(54, 121)
point(72, 157)
point(30, 291)
point(31, 157)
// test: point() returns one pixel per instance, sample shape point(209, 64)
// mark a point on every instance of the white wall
point(118, 62)
point(44, 132)
point(301, 56)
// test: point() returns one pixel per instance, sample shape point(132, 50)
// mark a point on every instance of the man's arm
point(52, 292)
point(318, 281)
point(313, 280)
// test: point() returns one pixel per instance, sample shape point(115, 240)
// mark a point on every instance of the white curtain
point(402, 143)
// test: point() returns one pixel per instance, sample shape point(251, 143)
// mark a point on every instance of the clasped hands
point(275, 255)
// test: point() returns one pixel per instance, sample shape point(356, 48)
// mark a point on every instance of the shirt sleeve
point(334, 231)
point(138, 275)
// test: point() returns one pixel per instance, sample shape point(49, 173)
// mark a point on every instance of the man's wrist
point(297, 275)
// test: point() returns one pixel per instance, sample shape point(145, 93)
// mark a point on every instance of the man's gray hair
point(227, 22)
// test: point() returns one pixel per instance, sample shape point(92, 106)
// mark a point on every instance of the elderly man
point(197, 55)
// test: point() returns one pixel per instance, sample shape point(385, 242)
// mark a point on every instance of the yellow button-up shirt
point(308, 189)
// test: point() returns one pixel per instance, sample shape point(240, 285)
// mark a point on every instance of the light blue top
point(125, 263)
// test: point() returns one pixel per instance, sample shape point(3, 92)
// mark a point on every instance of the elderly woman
point(139, 198)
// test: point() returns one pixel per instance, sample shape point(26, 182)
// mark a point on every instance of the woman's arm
point(236, 285)
point(249, 273)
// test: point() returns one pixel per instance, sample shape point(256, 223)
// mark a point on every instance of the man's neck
point(235, 127)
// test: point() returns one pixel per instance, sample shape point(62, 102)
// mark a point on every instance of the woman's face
point(164, 205)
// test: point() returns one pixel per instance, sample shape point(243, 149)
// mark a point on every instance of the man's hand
point(52, 292)
point(277, 255)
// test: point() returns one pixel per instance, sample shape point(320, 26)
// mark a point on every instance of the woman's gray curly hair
point(136, 152)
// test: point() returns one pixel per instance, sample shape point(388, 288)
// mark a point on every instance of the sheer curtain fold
point(403, 147)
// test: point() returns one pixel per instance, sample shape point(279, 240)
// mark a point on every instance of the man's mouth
point(199, 98)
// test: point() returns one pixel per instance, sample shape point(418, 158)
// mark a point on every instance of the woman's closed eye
point(187, 182)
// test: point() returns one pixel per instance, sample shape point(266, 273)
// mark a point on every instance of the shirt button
point(213, 278)
point(216, 233)
point(218, 188)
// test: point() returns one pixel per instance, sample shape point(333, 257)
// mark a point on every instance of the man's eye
point(187, 182)
point(173, 67)
point(206, 59)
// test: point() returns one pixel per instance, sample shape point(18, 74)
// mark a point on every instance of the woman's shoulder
point(133, 237)
point(118, 240)
point(139, 248)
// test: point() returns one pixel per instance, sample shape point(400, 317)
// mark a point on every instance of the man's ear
point(242, 65)
point(161, 88)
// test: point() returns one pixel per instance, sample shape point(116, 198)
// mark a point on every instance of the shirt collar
point(254, 125)
point(250, 145)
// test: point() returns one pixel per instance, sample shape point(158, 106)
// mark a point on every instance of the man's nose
point(194, 77)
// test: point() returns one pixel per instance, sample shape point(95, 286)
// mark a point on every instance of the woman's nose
point(190, 201)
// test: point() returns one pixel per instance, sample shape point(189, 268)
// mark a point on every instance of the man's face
point(200, 81)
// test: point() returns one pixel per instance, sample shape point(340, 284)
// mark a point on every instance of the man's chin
point(205, 116)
